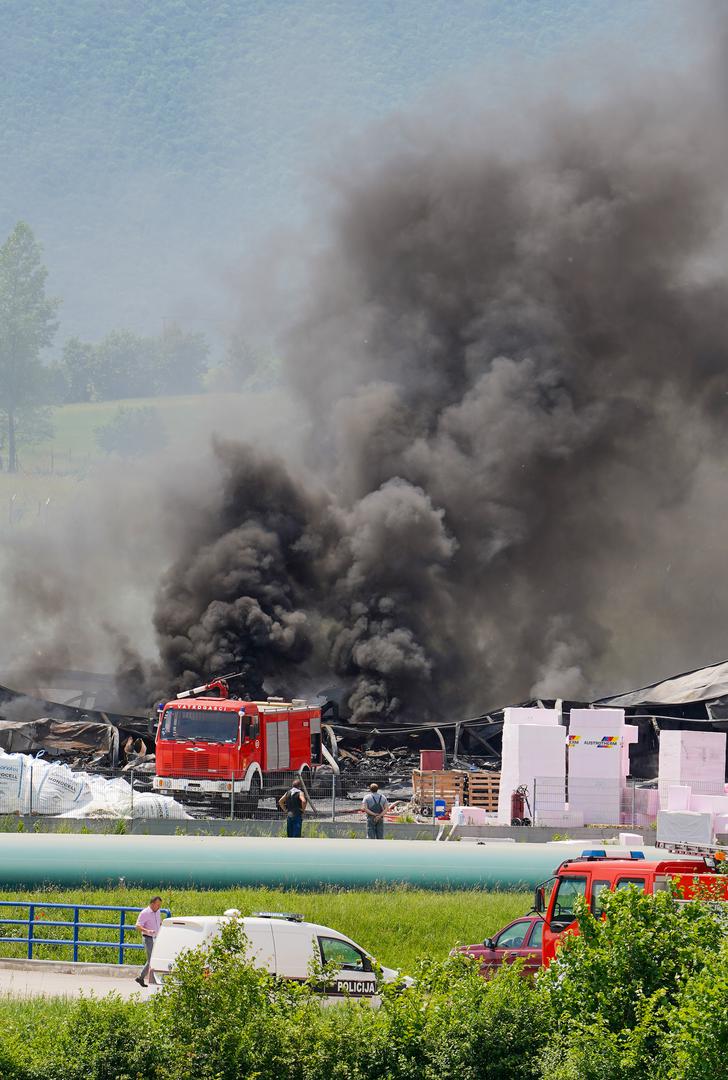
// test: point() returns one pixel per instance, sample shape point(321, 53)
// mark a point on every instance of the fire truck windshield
point(202, 725)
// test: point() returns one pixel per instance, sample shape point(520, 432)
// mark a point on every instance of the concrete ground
point(33, 978)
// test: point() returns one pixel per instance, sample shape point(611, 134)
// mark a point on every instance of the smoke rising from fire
point(515, 361)
point(512, 353)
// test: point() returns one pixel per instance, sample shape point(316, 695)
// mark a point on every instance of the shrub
point(132, 432)
point(697, 1044)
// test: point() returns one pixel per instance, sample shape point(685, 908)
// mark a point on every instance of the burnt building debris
point(75, 742)
point(81, 736)
point(696, 700)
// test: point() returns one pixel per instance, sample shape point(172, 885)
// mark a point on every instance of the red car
point(521, 938)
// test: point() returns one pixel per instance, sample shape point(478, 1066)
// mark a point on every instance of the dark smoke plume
point(513, 355)
point(516, 361)
point(243, 592)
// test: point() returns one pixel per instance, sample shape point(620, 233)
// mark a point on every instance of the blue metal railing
point(75, 942)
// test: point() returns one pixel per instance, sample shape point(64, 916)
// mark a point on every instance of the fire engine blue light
point(594, 853)
point(636, 854)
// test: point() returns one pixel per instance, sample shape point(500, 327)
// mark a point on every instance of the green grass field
point(398, 926)
point(51, 471)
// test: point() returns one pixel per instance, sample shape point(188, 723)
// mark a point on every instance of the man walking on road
point(293, 803)
point(148, 923)
point(375, 805)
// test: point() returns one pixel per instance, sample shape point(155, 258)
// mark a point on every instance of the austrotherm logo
point(605, 743)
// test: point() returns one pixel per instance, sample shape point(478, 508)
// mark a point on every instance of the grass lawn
point(398, 926)
point(51, 471)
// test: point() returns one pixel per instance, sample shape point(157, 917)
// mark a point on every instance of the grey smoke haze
point(512, 354)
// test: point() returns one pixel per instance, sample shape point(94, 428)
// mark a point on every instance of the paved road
point(56, 984)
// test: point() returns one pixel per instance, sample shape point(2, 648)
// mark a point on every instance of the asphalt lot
point(41, 982)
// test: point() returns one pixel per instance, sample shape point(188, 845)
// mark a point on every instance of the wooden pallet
point(447, 784)
point(483, 788)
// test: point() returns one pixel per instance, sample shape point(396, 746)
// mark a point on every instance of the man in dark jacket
point(293, 803)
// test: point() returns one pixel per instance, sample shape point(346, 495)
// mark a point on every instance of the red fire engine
point(593, 874)
point(211, 748)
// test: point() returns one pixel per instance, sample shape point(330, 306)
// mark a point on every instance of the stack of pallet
point(445, 784)
point(483, 789)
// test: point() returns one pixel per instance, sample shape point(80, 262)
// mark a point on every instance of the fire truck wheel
point(251, 798)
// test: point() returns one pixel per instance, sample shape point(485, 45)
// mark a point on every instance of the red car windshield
point(200, 725)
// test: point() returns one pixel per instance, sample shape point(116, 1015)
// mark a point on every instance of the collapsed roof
point(704, 686)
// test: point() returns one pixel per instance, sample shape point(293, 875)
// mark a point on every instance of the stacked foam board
point(691, 784)
point(533, 746)
point(643, 806)
point(597, 764)
point(692, 759)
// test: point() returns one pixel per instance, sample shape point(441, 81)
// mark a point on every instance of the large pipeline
point(212, 862)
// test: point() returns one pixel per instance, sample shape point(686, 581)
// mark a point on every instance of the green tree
point(181, 361)
point(126, 366)
point(27, 325)
point(78, 366)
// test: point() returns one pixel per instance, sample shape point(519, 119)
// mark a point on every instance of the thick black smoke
point(516, 360)
point(243, 592)
point(513, 357)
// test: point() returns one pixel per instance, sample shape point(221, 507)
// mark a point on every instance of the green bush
point(645, 949)
point(697, 1044)
point(642, 996)
point(615, 987)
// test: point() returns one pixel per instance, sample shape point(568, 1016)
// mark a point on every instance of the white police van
point(282, 944)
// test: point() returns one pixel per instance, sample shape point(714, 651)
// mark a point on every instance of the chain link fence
point(36, 788)
point(556, 801)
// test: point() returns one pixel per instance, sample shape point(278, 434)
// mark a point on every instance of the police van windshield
point(202, 725)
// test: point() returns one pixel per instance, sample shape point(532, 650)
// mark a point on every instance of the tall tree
point(182, 361)
point(78, 369)
point(126, 366)
point(27, 325)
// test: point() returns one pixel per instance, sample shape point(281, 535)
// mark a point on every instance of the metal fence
point(38, 789)
point(559, 801)
point(45, 929)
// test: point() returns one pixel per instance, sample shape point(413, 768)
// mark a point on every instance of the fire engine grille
point(196, 764)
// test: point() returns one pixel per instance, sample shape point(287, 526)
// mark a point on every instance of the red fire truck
point(593, 874)
point(212, 747)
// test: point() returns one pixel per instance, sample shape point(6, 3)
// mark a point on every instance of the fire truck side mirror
point(250, 725)
point(539, 899)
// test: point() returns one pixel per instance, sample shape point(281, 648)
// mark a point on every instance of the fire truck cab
point(593, 874)
point(221, 748)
